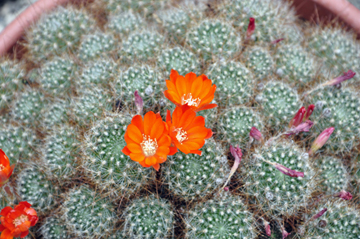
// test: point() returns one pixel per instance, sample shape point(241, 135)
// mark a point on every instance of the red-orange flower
point(148, 141)
point(5, 168)
point(187, 131)
point(16, 222)
point(196, 92)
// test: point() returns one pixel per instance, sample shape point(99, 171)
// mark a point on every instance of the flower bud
point(251, 28)
point(138, 102)
point(308, 112)
point(288, 172)
point(344, 195)
point(298, 118)
point(303, 127)
point(321, 140)
point(256, 134)
point(319, 214)
point(346, 76)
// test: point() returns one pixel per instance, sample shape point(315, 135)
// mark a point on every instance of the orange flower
point(196, 92)
point(5, 168)
point(187, 131)
point(148, 141)
point(16, 222)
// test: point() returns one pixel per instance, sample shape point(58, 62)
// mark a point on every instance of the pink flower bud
point(288, 172)
point(226, 189)
point(277, 41)
point(303, 127)
point(321, 140)
point(285, 234)
point(267, 228)
point(138, 102)
point(319, 214)
point(344, 195)
point(309, 111)
point(346, 76)
point(251, 28)
point(256, 134)
point(298, 118)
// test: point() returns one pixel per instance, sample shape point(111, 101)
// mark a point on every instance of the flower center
point(2, 167)
point(187, 99)
point(20, 220)
point(148, 146)
point(181, 135)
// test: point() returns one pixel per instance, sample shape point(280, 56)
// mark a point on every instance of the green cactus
point(259, 61)
point(234, 83)
point(279, 103)
point(225, 216)
point(106, 163)
point(87, 213)
point(277, 193)
point(123, 24)
point(234, 125)
point(11, 75)
point(54, 228)
point(57, 33)
point(338, 108)
point(149, 217)
point(194, 177)
point(96, 45)
point(33, 186)
point(213, 39)
point(61, 152)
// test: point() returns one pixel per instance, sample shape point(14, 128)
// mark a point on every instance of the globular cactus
point(149, 217)
point(142, 78)
point(259, 60)
point(273, 19)
point(68, 100)
point(87, 214)
point(339, 109)
point(336, 49)
point(100, 72)
point(90, 105)
point(234, 83)
point(179, 59)
point(277, 193)
point(141, 46)
point(225, 216)
point(213, 39)
point(123, 24)
point(106, 163)
point(58, 32)
point(95, 46)
point(55, 113)
point(33, 186)
point(19, 143)
point(11, 75)
point(28, 106)
point(56, 76)
point(192, 177)
point(61, 152)
point(235, 123)
point(295, 64)
point(332, 175)
point(54, 228)
point(338, 220)
point(279, 103)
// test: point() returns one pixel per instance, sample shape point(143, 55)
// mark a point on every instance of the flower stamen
point(2, 167)
point(187, 99)
point(148, 146)
point(20, 220)
point(181, 135)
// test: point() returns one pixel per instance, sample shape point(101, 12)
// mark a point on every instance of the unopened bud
point(256, 134)
point(321, 140)
point(344, 195)
point(251, 28)
point(288, 172)
point(138, 102)
point(346, 76)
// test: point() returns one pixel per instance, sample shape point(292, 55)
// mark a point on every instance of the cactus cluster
point(281, 145)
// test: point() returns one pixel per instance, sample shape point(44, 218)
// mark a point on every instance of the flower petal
point(157, 129)
point(156, 166)
point(5, 211)
point(197, 86)
point(137, 120)
point(134, 133)
point(173, 75)
point(189, 79)
point(149, 120)
point(150, 160)
point(134, 148)
point(181, 86)
point(126, 151)
point(6, 234)
point(137, 157)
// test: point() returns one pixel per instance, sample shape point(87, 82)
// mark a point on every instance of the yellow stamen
point(148, 146)
point(2, 167)
point(20, 220)
point(181, 135)
point(187, 99)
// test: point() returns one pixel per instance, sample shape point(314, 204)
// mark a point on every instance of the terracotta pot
point(309, 9)
point(12, 33)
